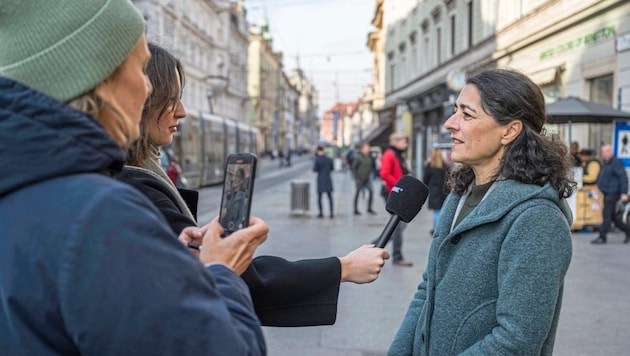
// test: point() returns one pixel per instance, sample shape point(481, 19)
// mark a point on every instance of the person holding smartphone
point(88, 265)
point(308, 288)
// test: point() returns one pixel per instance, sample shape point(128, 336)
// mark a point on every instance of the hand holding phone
point(238, 187)
point(235, 251)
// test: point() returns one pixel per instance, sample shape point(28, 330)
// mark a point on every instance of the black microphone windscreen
point(406, 198)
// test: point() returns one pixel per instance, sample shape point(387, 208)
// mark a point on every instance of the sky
point(330, 38)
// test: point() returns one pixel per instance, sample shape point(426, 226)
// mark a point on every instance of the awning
point(544, 77)
point(380, 135)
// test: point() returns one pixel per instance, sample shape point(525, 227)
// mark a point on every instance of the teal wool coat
point(493, 285)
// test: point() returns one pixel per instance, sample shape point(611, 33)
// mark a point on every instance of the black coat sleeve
point(285, 293)
point(300, 293)
point(161, 197)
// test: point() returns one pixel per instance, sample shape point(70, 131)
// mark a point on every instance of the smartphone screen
point(238, 186)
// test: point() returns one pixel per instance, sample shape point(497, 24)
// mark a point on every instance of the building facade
point(568, 47)
point(307, 124)
point(197, 32)
point(264, 85)
point(290, 116)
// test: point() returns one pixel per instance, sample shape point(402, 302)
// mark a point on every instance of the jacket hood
point(494, 205)
point(42, 138)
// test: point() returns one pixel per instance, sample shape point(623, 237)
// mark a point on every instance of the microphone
point(404, 203)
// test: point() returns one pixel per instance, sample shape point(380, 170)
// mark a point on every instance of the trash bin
point(300, 197)
point(337, 164)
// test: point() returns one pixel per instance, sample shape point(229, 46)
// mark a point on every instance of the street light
point(217, 85)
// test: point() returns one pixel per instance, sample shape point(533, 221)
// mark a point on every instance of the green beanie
point(64, 48)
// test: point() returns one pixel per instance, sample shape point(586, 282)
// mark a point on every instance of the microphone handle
point(387, 231)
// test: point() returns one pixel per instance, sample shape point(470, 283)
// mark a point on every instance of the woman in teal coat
point(494, 280)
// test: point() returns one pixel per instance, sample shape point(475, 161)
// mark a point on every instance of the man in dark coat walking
point(613, 183)
point(323, 166)
point(362, 169)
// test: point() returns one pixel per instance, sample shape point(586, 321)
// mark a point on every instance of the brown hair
point(435, 159)
point(162, 71)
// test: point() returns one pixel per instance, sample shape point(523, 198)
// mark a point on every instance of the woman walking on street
point(495, 273)
point(435, 174)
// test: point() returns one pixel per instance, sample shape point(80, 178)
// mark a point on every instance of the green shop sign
point(598, 35)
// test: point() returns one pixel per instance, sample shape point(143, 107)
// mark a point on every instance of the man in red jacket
point(393, 167)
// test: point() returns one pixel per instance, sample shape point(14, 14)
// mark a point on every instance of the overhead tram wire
point(289, 3)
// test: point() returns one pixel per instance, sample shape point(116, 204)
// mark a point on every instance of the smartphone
point(238, 187)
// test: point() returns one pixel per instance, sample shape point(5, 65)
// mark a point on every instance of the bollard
point(300, 197)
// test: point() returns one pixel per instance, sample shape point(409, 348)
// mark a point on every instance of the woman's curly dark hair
point(532, 157)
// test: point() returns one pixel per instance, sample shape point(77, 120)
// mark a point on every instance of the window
point(437, 20)
point(438, 45)
point(425, 62)
point(602, 90)
point(392, 71)
point(425, 47)
point(402, 69)
point(452, 44)
point(413, 65)
point(469, 34)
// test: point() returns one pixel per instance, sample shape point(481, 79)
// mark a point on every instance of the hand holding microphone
point(404, 203)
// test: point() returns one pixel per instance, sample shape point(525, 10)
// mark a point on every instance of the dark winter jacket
point(323, 166)
point(612, 177)
point(362, 167)
point(435, 179)
point(300, 293)
point(88, 265)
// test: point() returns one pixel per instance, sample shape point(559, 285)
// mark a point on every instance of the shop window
point(602, 90)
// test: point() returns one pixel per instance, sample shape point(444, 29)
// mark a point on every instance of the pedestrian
point(496, 266)
point(590, 166)
point(362, 169)
point(434, 176)
point(281, 160)
point(87, 264)
point(393, 167)
point(376, 165)
point(284, 293)
point(575, 153)
point(613, 183)
point(289, 154)
point(323, 166)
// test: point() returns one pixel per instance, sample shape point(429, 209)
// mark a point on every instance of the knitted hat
point(64, 48)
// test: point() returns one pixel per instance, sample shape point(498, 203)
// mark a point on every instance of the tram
point(202, 143)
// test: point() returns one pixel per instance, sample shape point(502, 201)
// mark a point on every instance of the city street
point(595, 313)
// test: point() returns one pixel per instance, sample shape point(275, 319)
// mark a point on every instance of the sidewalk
point(368, 315)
